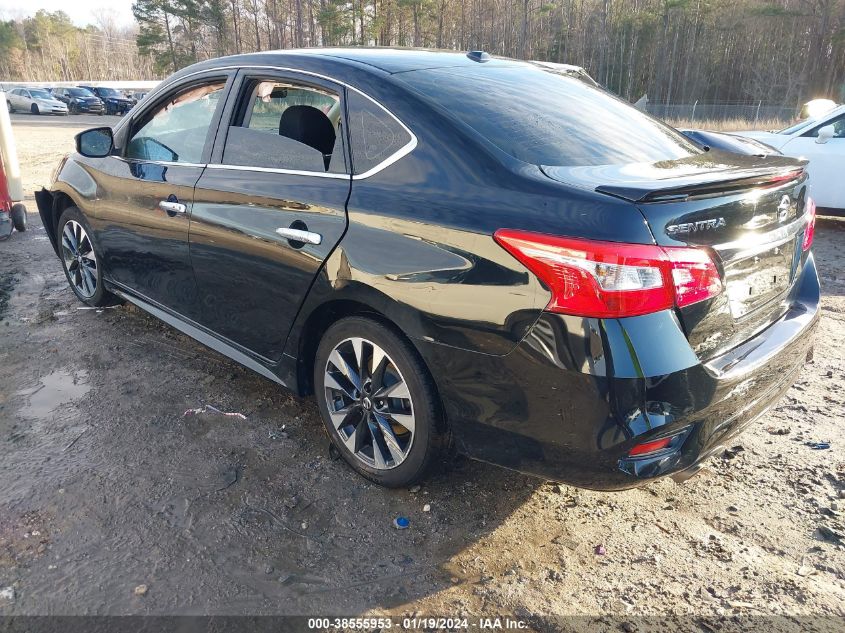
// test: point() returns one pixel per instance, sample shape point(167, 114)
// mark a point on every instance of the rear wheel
point(378, 403)
point(80, 259)
point(10, 106)
point(34, 108)
point(73, 108)
point(18, 215)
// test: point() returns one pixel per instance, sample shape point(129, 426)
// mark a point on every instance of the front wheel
point(80, 260)
point(18, 216)
point(379, 403)
point(34, 108)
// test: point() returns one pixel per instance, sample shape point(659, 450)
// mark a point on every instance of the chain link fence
point(752, 113)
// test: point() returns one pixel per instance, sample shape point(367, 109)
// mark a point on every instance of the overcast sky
point(82, 12)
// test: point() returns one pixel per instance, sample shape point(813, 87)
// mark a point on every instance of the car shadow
point(829, 251)
point(218, 514)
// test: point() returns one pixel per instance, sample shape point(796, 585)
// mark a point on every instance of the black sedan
point(453, 252)
point(114, 101)
point(79, 100)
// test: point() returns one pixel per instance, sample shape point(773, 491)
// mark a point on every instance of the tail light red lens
point(810, 231)
point(609, 279)
point(650, 447)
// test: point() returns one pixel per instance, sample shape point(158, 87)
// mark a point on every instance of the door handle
point(172, 207)
point(298, 235)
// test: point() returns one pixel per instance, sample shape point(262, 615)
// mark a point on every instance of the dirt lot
point(108, 486)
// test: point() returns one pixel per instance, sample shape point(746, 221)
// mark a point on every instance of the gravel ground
point(107, 486)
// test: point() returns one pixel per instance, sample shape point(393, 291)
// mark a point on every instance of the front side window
point(838, 127)
point(176, 131)
point(282, 125)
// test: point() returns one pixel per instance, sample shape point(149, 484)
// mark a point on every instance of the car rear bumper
point(576, 395)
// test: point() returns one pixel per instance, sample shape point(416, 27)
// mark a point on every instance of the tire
point(34, 109)
point(367, 423)
point(96, 296)
point(73, 108)
point(10, 106)
point(18, 215)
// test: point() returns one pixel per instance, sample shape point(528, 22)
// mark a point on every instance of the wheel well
point(312, 333)
point(61, 201)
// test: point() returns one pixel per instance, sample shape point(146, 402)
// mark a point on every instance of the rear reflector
point(609, 279)
point(650, 447)
point(810, 230)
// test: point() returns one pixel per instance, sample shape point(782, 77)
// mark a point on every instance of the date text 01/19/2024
point(418, 623)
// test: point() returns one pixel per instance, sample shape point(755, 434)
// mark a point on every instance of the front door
point(826, 162)
point(270, 207)
point(143, 216)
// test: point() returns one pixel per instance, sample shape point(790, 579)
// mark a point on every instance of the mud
point(108, 486)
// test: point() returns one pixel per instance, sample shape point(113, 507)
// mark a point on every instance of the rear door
point(270, 207)
point(145, 193)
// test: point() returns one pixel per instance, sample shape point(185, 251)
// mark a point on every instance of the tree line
point(49, 47)
point(675, 51)
point(777, 51)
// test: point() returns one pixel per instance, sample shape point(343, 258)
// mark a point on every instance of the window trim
point(387, 162)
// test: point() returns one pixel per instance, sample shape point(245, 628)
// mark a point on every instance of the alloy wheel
point(369, 403)
point(79, 258)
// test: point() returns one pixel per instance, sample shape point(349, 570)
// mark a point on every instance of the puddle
point(55, 389)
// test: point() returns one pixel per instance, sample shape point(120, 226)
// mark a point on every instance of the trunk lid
point(748, 211)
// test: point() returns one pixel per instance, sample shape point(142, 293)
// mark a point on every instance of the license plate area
point(756, 279)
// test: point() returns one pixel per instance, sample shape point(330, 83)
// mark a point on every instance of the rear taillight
point(810, 231)
point(609, 279)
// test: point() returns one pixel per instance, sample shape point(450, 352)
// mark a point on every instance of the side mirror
point(825, 134)
point(95, 143)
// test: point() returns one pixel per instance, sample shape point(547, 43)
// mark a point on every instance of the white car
point(821, 140)
point(34, 100)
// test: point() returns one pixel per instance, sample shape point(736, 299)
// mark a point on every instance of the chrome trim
point(278, 170)
point(159, 162)
point(297, 235)
point(387, 162)
point(172, 207)
point(758, 243)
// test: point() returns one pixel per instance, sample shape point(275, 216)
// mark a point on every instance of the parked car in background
point(136, 96)
point(707, 139)
point(34, 101)
point(540, 275)
point(79, 100)
point(821, 140)
point(113, 100)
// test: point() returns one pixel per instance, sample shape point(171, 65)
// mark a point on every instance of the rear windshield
point(545, 118)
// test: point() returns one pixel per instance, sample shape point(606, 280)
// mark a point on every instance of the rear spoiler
point(702, 185)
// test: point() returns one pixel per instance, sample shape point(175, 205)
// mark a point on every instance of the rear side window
point(283, 125)
point(375, 134)
point(545, 118)
point(176, 131)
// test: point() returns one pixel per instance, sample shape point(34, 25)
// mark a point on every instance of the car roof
point(387, 60)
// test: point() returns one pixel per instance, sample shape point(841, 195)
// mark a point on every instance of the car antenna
point(479, 56)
